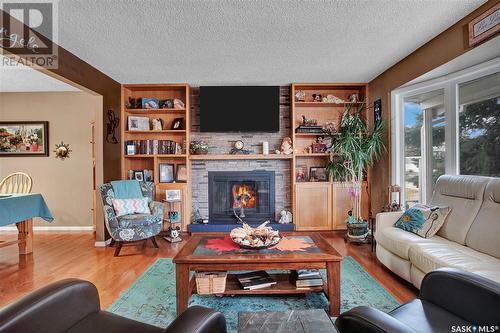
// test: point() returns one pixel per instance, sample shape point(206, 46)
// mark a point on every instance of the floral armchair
point(134, 227)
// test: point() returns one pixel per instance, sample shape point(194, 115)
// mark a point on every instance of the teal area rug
point(151, 299)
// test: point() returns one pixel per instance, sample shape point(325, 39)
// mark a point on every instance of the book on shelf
point(254, 280)
point(152, 147)
point(305, 278)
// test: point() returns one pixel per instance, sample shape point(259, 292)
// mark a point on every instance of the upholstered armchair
point(133, 227)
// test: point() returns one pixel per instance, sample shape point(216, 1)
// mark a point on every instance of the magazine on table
point(255, 280)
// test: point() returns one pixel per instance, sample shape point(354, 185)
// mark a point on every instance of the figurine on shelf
point(286, 147)
point(309, 121)
point(285, 217)
point(354, 98)
point(334, 99)
point(317, 97)
point(300, 96)
point(178, 104)
point(157, 124)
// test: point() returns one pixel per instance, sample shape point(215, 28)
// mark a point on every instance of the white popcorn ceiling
point(251, 42)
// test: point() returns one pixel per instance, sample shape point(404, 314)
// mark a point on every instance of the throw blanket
point(126, 189)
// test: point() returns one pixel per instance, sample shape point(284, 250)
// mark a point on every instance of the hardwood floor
point(73, 255)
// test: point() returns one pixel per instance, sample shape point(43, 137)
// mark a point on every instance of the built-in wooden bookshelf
point(320, 205)
point(181, 136)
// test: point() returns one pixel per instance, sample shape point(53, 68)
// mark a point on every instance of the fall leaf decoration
point(292, 244)
point(222, 244)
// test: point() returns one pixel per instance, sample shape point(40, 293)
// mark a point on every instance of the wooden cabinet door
point(313, 206)
point(342, 203)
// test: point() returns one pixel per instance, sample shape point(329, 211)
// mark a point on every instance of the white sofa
point(469, 239)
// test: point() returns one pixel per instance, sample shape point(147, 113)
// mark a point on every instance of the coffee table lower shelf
point(284, 285)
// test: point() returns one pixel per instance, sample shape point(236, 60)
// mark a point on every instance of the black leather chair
point(73, 306)
point(448, 297)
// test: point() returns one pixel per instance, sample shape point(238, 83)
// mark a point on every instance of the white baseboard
point(53, 228)
point(102, 243)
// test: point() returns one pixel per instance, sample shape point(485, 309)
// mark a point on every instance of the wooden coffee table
point(295, 251)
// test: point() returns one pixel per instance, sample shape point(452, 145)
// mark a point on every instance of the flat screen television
point(239, 108)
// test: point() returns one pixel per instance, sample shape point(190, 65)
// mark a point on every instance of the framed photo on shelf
point(139, 175)
point(24, 138)
point(173, 195)
point(166, 173)
point(301, 173)
point(178, 124)
point(138, 123)
point(181, 173)
point(317, 174)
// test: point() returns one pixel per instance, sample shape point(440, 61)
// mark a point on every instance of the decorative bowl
point(258, 238)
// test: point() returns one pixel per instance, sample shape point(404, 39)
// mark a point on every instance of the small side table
point(175, 226)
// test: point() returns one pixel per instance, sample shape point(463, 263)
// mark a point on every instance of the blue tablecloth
point(20, 207)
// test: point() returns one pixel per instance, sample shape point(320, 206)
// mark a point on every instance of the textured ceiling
point(251, 42)
point(24, 79)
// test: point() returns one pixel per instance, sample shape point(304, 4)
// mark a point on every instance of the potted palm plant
point(354, 149)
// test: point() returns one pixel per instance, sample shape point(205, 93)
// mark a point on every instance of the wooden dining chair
point(17, 182)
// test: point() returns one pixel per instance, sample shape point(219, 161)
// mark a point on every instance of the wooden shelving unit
point(320, 205)
point(152, 162)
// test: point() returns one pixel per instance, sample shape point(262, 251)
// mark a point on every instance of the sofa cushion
point(464, 195)
point(428, 256)
point(422, 220)
point(399, 241)
point(484, 233)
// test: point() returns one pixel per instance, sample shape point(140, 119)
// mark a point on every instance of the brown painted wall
point(448, 45)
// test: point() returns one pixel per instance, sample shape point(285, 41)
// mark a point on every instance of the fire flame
point(243, 196)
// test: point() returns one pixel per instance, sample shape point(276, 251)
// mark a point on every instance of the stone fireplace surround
point(221, 143)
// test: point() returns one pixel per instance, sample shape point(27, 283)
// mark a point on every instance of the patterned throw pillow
point(130, 206)
point(423, 220)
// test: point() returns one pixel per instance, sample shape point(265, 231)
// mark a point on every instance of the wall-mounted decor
point(166, 173)
point(62, 150)
point(377, 112)
point(111, 126)
point(485, 25)
point(138, 123)
point(24, 138)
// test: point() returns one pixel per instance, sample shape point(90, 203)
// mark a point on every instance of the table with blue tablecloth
point(21, 209)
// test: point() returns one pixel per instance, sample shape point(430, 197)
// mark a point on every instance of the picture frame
point(178, 124)
point(138, 123)
point(139, 175)
point(181, 173)
point(166, 173)
point(318, 174)
point(301, 173)
point(377, 112)
point(172, 195)
point(24, 138)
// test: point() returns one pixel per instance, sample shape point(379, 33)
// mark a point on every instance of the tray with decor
point(257, 238)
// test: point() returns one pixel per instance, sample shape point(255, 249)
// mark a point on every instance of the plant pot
point(357, 230)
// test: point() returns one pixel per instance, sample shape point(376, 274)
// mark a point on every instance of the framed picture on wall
point(377, 112)
point(166, 173)
point(24, 138)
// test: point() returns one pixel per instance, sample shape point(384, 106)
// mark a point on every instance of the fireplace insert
point(241, 196)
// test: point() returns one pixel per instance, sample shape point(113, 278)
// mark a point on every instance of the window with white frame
point(447, 125)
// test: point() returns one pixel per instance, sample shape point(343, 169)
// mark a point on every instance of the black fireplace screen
point(237, 191)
